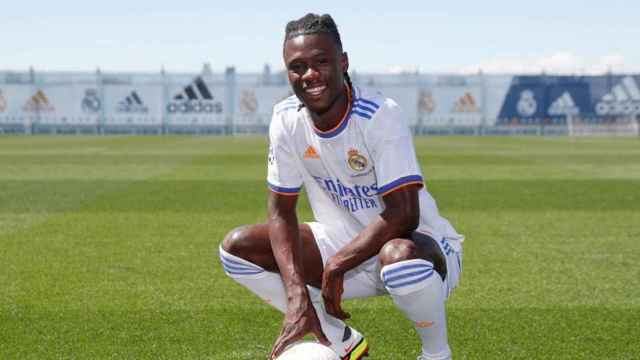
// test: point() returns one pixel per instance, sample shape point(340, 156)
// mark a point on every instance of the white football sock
point(270, 288)
point(417, 289)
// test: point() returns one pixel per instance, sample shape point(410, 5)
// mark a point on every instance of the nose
point(310, 74)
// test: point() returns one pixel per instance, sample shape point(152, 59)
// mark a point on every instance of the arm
point(300, 317)
point(286, 245)
point(399, 219)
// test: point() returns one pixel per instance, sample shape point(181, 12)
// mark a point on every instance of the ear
point(344, 62)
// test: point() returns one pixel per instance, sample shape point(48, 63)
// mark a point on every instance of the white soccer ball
point(308, 350)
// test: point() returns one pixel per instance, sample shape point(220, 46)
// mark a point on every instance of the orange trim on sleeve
point(283, 193)
point(404, 185)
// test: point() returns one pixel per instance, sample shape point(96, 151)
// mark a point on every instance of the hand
point(332, 289)
point(297, 323)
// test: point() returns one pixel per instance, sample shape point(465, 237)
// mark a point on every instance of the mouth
point(314, 90)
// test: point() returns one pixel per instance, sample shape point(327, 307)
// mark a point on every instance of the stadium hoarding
point(138, 105)
point(229, 103)
point(253, 105)
point(195, 102)
point(531, 100)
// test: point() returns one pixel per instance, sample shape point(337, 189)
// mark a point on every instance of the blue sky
point(380, 36)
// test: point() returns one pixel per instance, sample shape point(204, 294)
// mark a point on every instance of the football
point(308, 350)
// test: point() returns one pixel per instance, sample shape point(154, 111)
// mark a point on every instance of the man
point(377, 229)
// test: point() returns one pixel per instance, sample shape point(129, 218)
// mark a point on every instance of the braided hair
point(316, 24)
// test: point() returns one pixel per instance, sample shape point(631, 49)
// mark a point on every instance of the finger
point(329, 305)
point(286, 339)
point(343, 315)
point(334, 309)
point(276, 350)
point(338, 300)
point(338, 313)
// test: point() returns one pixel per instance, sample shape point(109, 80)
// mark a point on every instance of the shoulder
point(381, 116)
point(287, 105)
point(285, 114)
point(379, 113)
point(372, 104)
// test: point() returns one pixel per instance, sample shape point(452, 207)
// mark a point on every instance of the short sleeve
point(393, 150)
point(283, 174)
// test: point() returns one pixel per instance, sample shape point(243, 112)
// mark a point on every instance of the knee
point(397, 250)
point(235, 255)
point(237, 241)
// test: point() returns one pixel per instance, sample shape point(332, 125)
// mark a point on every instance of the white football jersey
point(348, 169)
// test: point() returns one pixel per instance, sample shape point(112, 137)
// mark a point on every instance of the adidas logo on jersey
point(38, 103)
point(465, 104)
point(311, 153)
point(195, 98)
point(564, 105)
point(624, 99)
point(132, 104)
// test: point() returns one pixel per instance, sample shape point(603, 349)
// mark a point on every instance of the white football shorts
point(365, 281)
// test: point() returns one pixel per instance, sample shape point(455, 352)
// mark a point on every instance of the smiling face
point(315, 67)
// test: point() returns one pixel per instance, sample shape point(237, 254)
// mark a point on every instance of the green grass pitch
point(108, 249)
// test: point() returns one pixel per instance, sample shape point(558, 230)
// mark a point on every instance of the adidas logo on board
point(195, 98)
point(564, 105)
point(465, 104)
point(38, 102)
point(623, 99)
point(132, 104)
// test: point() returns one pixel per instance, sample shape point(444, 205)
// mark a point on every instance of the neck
point(330, 118)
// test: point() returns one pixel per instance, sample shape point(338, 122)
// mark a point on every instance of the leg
point(251, 243)
point(420, 246)
point(410, 269)
point(247, 257)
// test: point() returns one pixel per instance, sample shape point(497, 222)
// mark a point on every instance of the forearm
point(370, 240)
point(287, 250)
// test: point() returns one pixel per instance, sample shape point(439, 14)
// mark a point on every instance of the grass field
point(108, 248)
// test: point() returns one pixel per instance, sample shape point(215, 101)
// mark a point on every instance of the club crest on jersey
point(356, 161)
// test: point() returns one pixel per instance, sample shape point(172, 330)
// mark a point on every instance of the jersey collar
point(342, 124)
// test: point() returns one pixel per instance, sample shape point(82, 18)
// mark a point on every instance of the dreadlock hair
point(316, 24)
point(313, 24)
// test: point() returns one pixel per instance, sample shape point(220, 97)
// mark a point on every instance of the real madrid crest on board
point(248, 102)
point(356, 161)
point(527, 104)
point(91, 103)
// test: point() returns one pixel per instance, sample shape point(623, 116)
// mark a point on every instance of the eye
point(297, 68)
